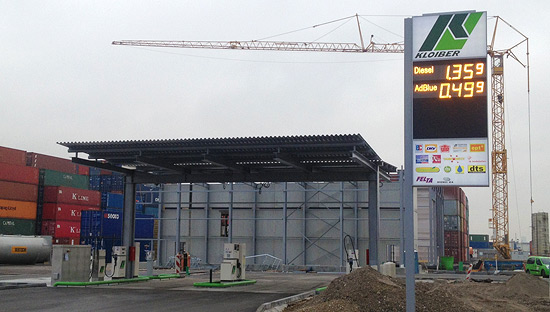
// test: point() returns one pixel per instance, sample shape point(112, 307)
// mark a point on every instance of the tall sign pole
point(445, 111)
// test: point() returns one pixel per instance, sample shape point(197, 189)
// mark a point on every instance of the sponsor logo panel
point(431, 148)
point(476, 169)
point(422, 159)
point(427, 169)
point(436, 159)
point(476, 148)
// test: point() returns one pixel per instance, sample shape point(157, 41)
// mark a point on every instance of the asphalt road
point(153, 295)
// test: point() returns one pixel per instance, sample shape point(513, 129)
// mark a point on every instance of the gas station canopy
point(250, 159)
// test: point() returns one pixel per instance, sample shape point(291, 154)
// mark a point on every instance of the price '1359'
point(448, 90)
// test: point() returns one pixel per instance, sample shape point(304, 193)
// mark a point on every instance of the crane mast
point(499, 160)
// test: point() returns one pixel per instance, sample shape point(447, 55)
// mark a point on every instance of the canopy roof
point(250, 159)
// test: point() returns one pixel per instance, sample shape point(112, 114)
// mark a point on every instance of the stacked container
point(62, 211)
point(42, 161)
point(18, 193)
point(455, 224)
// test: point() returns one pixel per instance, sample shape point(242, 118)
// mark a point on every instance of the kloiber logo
point(448, 35)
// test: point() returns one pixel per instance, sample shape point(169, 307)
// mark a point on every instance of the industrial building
point(311, 234)
point(539, 231)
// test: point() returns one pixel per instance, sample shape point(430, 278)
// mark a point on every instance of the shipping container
point(42, 161)
point(147, 194)
point(58, 178)
point(151, 210)
point(94, 171)
point(111, 224)
point(12, 156)
point(451, 193)
point(480, 245)
point(479, 238)
point(17, 209)
point(65, 212)
point(451, 239)
point(91, 223)
point(144, 226)
point(107, 183)
point(18, 191)
point(112, 200)
point(450, 208)
point(83, 170)
point(15, 173)
point(10, 226)
point(65, 241)
point(69, 195)
point(61, 228)
point(451, 223)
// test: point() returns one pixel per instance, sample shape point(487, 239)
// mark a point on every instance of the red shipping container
point(69, 195)
point(12, 156)
point(15, 173)
point(18, 191)
point(65, 212)
point(50, 162)
point(451, 193)
point(83, 170)
point(61, 228)
point(65, 241)
point(451, 239)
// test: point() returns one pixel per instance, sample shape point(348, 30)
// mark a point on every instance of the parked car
point(538, 266)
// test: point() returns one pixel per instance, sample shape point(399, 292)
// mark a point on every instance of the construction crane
point(500, 223)
point(499, 155)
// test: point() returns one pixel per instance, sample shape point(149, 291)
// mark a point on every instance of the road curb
point(279, 304)
point(10, 285)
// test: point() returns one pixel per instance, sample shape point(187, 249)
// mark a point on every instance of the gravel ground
point(366, 289)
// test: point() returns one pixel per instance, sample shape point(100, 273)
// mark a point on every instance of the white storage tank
point(20, 249)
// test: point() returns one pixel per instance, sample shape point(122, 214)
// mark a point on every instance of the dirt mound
point(525, 285)
point(366, 289)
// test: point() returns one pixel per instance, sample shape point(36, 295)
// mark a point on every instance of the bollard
point(210, 275)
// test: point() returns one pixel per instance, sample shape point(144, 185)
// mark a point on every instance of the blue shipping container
point(90, 223)
point(480, 245)
point(144, 226)
point(115, 200)
point(111, 223)
point(147, 194)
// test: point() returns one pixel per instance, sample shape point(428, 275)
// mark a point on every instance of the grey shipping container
point(450, 207)
point(9, 226)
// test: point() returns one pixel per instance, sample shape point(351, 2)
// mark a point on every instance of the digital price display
point(450, 99)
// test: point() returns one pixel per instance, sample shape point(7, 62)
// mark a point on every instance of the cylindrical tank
point(20, 249)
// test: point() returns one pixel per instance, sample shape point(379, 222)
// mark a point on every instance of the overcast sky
point(62, 80)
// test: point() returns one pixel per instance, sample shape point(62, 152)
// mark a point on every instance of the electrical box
point(71, 263)
point(233, 266)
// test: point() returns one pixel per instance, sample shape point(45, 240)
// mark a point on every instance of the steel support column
point(178, 220)
point(128, 221)
point(374, 220)
point(254, 223)
point(304, 225)
point(285, 221)
point(230, 217)
point(159, 233)
point(341, 217)
point(206, 223)
point(408, 183)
